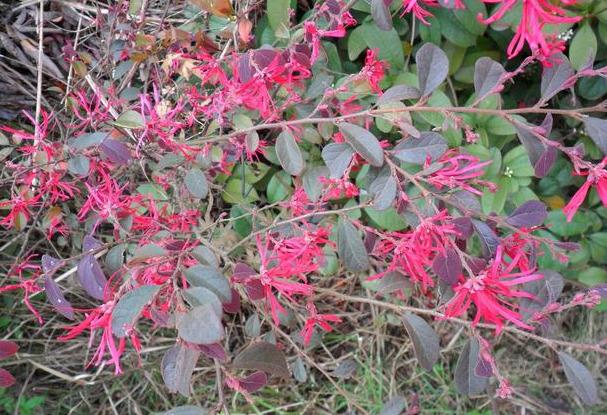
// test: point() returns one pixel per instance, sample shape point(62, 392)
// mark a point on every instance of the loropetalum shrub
point(317, 172)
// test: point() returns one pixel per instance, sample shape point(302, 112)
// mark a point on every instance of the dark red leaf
point(254, 290)
point(483, 368)
point(233, 306)
point(464, 226)
point(6, 379)
point(545, 162)
point(56, 298)
point(7, 348)
point(254, 381)
point(448, 266)
point(212, 351)
point(489, 240)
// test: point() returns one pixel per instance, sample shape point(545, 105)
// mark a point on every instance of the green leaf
point(557, 223)
point(130, 119)
point(356, 43)
point(237, 194)
point(388, 219)
point(129, 307)
point(351, 248)
point(495, 201)
point(149, 251)
point(387, 42)
point(592, 276)
point(279, 187)
point(583, 46)
point(278, 16)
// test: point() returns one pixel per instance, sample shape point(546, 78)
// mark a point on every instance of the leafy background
point(371, 360)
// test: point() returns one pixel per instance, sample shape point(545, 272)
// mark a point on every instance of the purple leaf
point(254, 381)
point(254, 290)
point(429, 145)
point(544, 291)
point(6, 379)
point(201, 325)
point(210, 277)
point(337, 157)
point(448, 266)
point(116, 151)
point(91, 277)
point(351, 248)
point(213, 351)
point(370, 240)
point(56, 298)
point(90, 244)
point(380, 11)
point(483, 368)
point(432, 67)
point(177, 367)
point(487, 76)
point(489, 240)
point(425, 340)
point(50, 264)
point(545, 162)
point(580, 378)
point(597, 130)
point(263, 356)
point(601, 289)
point(464, 226)
point(383, 190)
point(398, 93)
point(467, 382)
point(363, 142)
point(529, 214)
point(242, 272)
point(393, 281)
point(556, 76)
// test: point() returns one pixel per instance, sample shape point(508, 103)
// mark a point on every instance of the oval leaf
point(201, 325)
point(363, 142)
point(289, 154)
point(380, 11)
point(56, 298)
point(531, 213)
point(254, 381)
point(448, 266)
point(429, 145)
point(116, 151)
point(337, 157)
point(432, 67)
point(555, 76)
point(196, 183)
point(383, 190)
point(7, 348)
point(597, 130)
point(200, 295)
point(489, 240)
point(210, 277)
point(398, 93)
point(487, 76)
point(580, 378)
point(177, 366)
point(467, 382)
point(91, 277)
point(130, 305)
point(6, 379)
point(130, 119)
point(425, 340)
point(351, 248)
point(263, 356)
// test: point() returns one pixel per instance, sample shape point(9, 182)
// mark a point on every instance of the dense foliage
point(241, 164)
